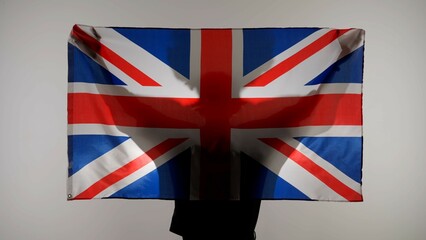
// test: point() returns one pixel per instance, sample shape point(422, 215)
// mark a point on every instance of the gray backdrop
point(33, 160)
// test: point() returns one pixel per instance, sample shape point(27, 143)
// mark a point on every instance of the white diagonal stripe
point(167, 77)
point(291, 172)
point(137, 56)
point(246, 140)
point(173, 84)
point(324, 164)
point(307, 183)
point(142, 139)
point(144, 170)
point(103, 165)
point(292, 83)
point(283, 56)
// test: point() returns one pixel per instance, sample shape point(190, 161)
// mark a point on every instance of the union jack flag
point(270, 113)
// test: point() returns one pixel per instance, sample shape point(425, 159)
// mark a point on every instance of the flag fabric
point(267, 113)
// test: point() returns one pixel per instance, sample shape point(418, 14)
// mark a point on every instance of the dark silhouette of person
point(215, 219)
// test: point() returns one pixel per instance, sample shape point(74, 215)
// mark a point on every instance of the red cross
point(215, 112)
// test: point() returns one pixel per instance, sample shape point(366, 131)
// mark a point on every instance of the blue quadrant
point(261, 183)
point(83, 149)
point(84, 69)
point(347, 70)
point(171, 46)
point(345, 153)
point(260, 45)
point(169, 181)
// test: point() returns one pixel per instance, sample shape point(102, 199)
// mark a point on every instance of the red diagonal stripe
point(132, 111)
point(130, 168)
point(112, 57)
point(291, 62)
point(320, 173)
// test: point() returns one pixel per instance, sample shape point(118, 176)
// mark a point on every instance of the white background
point(33, 160)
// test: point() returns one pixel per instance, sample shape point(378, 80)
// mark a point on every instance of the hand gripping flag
point(270, 113)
